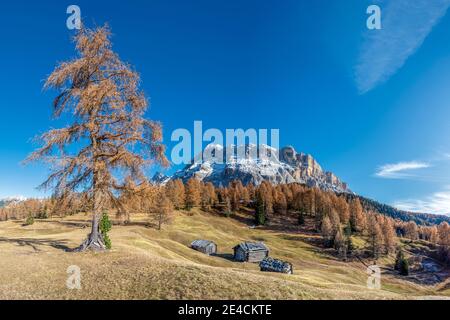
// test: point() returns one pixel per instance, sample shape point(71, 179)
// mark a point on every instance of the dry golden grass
point(150, 264)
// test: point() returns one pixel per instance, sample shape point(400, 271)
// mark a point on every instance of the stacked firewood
point(275, 265)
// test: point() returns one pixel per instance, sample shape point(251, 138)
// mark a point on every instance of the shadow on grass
point(35, 243)
point(72, 224)
point(146, 224)
point(87, 224)
point(247, 220)
point(226, 256)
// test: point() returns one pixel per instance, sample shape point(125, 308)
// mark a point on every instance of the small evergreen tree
point(227, 212)
point(401, 263)
point(400, 256)
point(404, 267)
point(348, 229)
point(105, 227)
point(301, 218)
point(350, 246)
point(29, 221)
point(260, 214)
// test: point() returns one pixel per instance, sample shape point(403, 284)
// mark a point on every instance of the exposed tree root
point(93, 242)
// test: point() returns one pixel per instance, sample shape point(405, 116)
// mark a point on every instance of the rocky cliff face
point(308, 170)
point(255, 165)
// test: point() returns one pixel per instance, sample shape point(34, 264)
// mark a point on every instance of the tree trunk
point(94, 241)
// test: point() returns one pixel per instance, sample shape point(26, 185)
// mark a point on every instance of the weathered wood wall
point(257, 256)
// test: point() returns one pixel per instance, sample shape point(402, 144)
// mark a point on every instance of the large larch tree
point(104, 150)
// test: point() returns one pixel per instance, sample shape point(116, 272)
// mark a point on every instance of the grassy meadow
point(149, 264)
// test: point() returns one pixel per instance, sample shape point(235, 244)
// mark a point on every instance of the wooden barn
point(204, 246)
point(275, 265)
point(250, 252)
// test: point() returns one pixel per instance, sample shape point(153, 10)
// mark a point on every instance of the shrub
point(105, 227)
point(107, 241)
point(42, 215)
point(348, 229)
point(227, 210)
point(29, 221)
point(301, 219)
point(260, 213)
point(401, 264)
point(400, 257)
point(444, 254)
point(350, 245)
point(404, 267)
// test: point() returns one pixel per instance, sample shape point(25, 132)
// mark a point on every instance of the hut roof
point(252, 246)
point(201, 243)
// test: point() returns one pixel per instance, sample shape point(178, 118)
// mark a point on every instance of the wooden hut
point(204, 246)
point(250, 252)
point(275, 265)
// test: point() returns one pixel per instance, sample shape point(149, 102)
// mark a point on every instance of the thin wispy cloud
point(400, 170)
point(405, 26)
point(437, 203)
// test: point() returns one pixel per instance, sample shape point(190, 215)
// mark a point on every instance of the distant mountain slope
point(419, 218)
point(10, 200)
point(287, 166)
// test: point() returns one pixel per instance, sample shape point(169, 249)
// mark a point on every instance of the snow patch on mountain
point(252, 164)
point(4, 202)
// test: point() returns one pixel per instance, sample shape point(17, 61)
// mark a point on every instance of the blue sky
point(370, 105)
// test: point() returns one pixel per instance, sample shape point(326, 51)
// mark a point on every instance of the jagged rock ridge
point(255, 165)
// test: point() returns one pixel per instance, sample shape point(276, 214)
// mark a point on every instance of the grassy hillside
point(150, 264)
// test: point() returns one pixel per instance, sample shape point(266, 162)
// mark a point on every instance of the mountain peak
point(160, 178)
point(222, 166)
